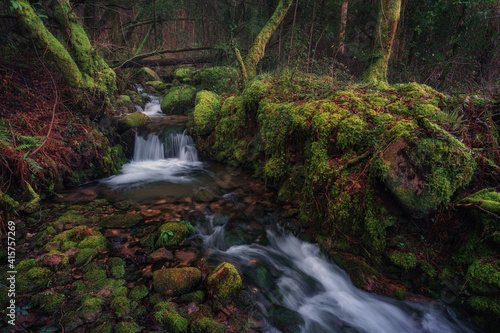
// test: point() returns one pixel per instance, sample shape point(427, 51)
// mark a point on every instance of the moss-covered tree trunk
point(388, 18)
point(258, 48)
point(78, 62)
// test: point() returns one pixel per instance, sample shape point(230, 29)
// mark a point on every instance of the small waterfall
point(168, 158)
point(151, 149)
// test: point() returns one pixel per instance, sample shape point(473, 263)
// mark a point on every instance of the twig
point(487, 211)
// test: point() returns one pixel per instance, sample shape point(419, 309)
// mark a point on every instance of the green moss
point(404, 260)
point(168, 316)
point(400, 294)
point(171, 234)
point(128, 327)
point(68, 245)
point(351, 133)
point(96, 241)
point(134, 120)
point(426, 110)
point(155, 299)
point(207, 106)
point(48, 302)
point(178, 100)
point(225, 281)
point(197, 297)
point(206, 325)
point(85, 255)
point(486, 305)
point(74, 234)
point(118, 271)
point(91, 308)
point(55, 259)
point(221, 80)
point(484, 276)
point(121, 291)
point(184, 74)
point(116, 261)
point(139, 292)
point(35, 279)
point(157, 87)
point(45, 235)
point(122, 306)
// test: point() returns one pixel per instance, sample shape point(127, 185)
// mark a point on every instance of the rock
point(178, 100)
point(221, 80)
point(134, 120)
point(184, 74)
point(206, 110)
point(203, 195)
point(285, 319)
point(225, 281)
point(171, 234)
point(161, 254)
point(145, 74)
point(176, 281)
point(120, 221)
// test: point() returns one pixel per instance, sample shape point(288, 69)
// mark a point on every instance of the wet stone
point(121, 221)
point(161, 254)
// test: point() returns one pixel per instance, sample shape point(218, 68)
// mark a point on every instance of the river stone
point(134, 120)
point(176, 281)
point(120, 221)
point(203, 195)
point(285, 320)
point(225, 281)
point(160, 255)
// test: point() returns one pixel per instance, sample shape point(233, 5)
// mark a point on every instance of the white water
point(175, 161)
point(323, 294)
point(153, 107)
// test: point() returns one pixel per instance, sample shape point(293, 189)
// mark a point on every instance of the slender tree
point(387, 24)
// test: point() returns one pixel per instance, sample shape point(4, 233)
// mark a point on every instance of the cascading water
point(173, 159)
point(304, 281)
point(153, 107)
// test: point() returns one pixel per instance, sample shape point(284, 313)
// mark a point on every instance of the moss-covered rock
point(33, 280)
point(176, 281)
point(84, 256)
point(197, 297)
point(286, 319)
point(157, 87)
point(184, 74)
point(206, 325)
point(168, 316)
point(171, 234)
point(145, 74)
point(207, 106)
point(178, 100)
point(122, 306)
point(221, 80)
point(91, 309)
point(49, 302)
point(96, 241)
point(139, 292)
point(225, 281)
point(134, 120)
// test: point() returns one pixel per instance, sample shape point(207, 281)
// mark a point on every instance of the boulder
point(178, 100)
point(225, 281)
point(176, 281)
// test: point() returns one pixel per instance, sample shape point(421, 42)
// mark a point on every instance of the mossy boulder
point(120, 221)
point(124, 101)
point(157, 87)
point(134, 120)
point(171, 234)
point(33, 280)
point(85, 255)
point(197, 297)
point(488, 201)
point(184, 74)
point(122, 306)
point(139, 292)
point(225, 281)
point(176, 281)
point(207, 106)
point(424, 172)
point(55, 259)
point(179, 100)
point(96, 241)
point(167, 315)
point(221, 80)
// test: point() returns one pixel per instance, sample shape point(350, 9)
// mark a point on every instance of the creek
point(289, 280)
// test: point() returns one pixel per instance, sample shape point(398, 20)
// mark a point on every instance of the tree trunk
point(343, 24)
point(81, 66)
point(46, 41)
point(387, 24)
point(256, 52)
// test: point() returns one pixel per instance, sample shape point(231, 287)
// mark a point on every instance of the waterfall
point(168, 158)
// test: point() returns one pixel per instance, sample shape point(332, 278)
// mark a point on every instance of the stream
point(284, 273)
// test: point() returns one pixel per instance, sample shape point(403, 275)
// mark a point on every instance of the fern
point(28, 142)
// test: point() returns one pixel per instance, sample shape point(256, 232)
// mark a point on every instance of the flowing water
point(282, 271)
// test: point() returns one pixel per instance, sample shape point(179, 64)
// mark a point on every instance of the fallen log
point(166, 62)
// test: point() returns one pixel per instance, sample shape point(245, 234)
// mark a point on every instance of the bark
point(258, 48)
point(387, 24)
point(343, 24)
